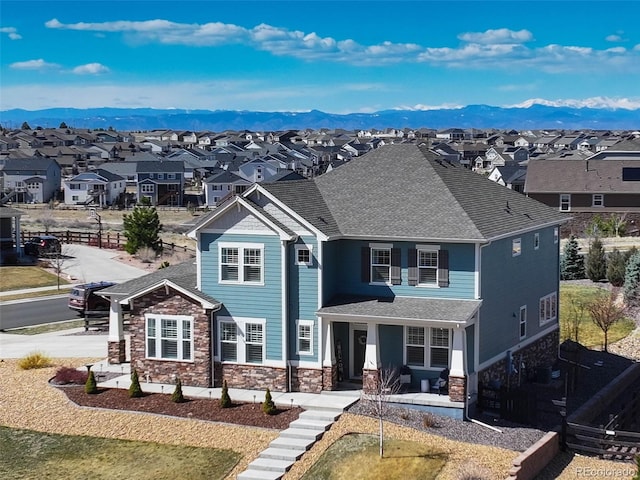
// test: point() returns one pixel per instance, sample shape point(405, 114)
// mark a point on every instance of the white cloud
point(12, 32)
point(592, 102)
point(491, 49)
point(90, 69)
point(38, 64)
point(613, 38)
point(500, 35)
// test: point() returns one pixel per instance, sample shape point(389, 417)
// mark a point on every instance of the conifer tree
point(596, 261)
point(225, 399)
point(142, 229)
point(268, 406)
point(90, 385)
point(616, 264)
point(572, 264)
point(177, 396)
point(632, 279)
point(135, 390)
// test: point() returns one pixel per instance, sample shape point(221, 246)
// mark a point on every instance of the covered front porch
point(423, 338)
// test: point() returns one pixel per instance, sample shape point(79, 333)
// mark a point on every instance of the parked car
point(83, 298)
point(42, 245)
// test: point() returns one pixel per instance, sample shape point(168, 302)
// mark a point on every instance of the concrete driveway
point(83, 264)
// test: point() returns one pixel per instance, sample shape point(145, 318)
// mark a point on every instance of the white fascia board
point(281, 233)
point(168, 283)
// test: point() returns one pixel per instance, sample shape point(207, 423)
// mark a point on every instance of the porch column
point(370, 370)
point(329, 368)
point(116, 343)
point(457, 381)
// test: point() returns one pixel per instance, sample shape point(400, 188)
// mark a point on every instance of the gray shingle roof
point(407, 192)
point(182, 274)
point(402, 308)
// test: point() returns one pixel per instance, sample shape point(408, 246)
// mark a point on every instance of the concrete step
point(310, 424)
point(302, 433)
point(251, 474)
point(270, 465)
point(324, 415)
point(292, 443)
point(290, 454)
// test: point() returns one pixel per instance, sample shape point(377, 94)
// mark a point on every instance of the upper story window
point(565, 202)
point(171, 176)
point(548, 308)
point(428, 266)
point(303, 255)
point(523, 321)
point(516, 247)
point(169, 337)
point(147, 188)
point(241, 263)
point(380, 264)
point(597, 200)
point(536, 241)
point(160, 176)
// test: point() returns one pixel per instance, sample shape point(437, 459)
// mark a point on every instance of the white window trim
point(599, 202)
point(427, 348)
point(304, 247)
point(428, 248)
point(522, 320)
point(304, 323)
point(536, 241)
point(241, 335)
point(379, 246)
point(548, 308)
point(565, 198)
point(147, 188)
point(158, 338)
point(241, 248)
point(516, 247)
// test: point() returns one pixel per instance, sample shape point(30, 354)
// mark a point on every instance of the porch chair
point(441, 383)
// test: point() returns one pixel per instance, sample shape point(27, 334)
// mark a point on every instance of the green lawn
point(356, 457)
point(590, 334)
point(13, 278)
point(28, 455)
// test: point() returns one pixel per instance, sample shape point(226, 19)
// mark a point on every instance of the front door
point(359, 346)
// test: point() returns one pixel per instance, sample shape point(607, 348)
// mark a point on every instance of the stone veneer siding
point(330, 378)
point(541, 353)
point(116, 352)
point(196, 373)
point(457, 389)
point(253, 377)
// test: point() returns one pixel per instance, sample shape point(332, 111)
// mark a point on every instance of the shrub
point(428, 420)
point(615, 268)
point(637, 475)
point(91, 386)
point(225, 399)
point(69, 375)
point(177, 396)
point(596, 261)
point(472, 471)
point(34, 360)
point(268, 406)
point(146, 254)
point(572, 263)
point(135, 390)
point(632, 279)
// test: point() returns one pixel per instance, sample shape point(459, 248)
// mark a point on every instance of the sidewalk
point(64, 290)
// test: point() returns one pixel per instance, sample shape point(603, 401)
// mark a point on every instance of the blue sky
point(334, 56)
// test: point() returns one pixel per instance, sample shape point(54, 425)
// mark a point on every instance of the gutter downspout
point(285, 310)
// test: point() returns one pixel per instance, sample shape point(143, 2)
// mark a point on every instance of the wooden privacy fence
point(109, 240)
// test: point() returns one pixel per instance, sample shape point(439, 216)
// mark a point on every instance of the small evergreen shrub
point(225, 399)
point(135, 390)
point(91, 386)
point(596, 261)
point(35, 360)
point(616, 264)
point(268, 406)
point(632, 279)
point(572, 263)
point(70, 376)
point(177, 396)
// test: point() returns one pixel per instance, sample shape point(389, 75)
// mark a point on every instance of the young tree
point(632, 279)
point(135, 390)
point(142, 229)
point(268, 406)
point(91, 386)
point(605, 311)
point(177, 396)
point(596, 261)
point(573, 321)
point(25, 126)
point(572, 264)
point(616, 264)
point(225, 399)
point(376, 398)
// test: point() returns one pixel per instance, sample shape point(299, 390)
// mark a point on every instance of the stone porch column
point(329, 370)
point(371, 368)
point(457, 380)
point(116, 349)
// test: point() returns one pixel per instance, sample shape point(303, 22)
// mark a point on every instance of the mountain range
point(534, 117)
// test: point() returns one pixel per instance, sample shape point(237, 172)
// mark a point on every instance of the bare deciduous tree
point(605, 311)
point(377, 397)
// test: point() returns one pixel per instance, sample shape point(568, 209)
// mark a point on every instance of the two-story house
point(161, 182)
point(31, 180)
point(396, 258)
point(99, 187)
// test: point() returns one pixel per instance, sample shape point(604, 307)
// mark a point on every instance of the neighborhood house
point(398, 258)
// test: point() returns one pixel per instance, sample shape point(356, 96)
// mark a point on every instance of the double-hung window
point(241, 340)
point(427, 266)
point(380, 264)
point(516, 247)
point(427, 347)
point(169, 337)
point(565, 202)
point(305, 337)
point(548, 308)
point(523, 321)
point(597, 200)
point(241, 263)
